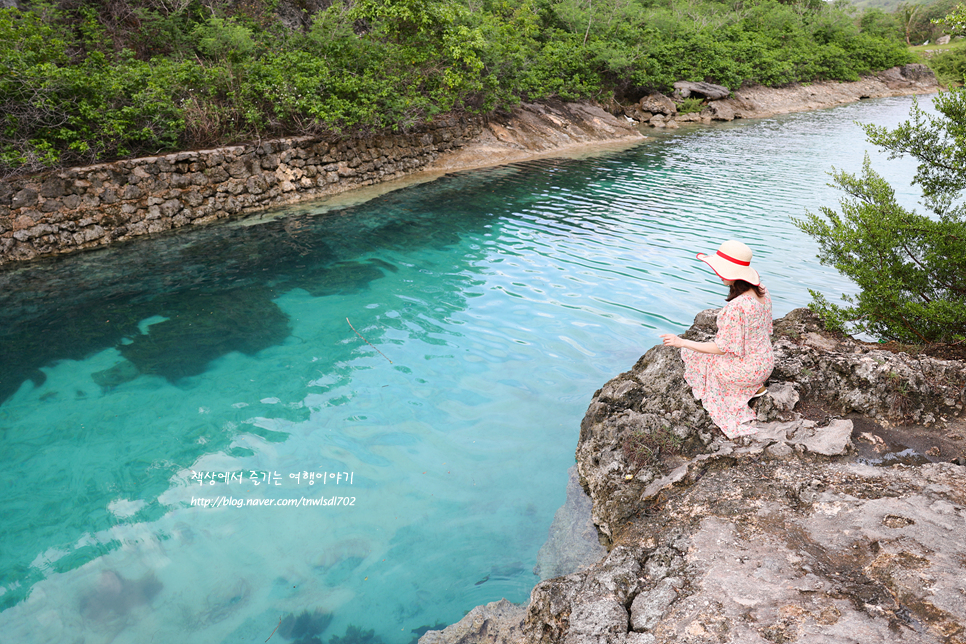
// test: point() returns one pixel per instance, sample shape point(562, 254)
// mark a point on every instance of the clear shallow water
point(503, 298)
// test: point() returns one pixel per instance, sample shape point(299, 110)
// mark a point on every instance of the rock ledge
point(790, 535)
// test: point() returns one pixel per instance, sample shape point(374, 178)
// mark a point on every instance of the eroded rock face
point(658, 104)
point(782, 537)
point(756, 102)
point(652, 406)
point(495, 623)
point(772, 550)
point(712, 92)
point(719, 111)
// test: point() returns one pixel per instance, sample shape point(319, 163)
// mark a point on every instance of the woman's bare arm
point(700, 347)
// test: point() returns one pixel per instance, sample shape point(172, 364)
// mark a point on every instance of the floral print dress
point(724, 384)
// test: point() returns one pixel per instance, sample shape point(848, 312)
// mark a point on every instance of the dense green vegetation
point(910, 268)
point(914, 22)
point(86, 80)
point(950, 65)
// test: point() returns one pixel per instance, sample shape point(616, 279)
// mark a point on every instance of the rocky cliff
point(821, 528)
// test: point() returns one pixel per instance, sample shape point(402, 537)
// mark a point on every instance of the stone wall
point(95, 205)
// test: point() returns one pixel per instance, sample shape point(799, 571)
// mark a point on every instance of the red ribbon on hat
point(733, 260)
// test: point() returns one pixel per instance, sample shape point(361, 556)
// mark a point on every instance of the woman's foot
point(761, 392)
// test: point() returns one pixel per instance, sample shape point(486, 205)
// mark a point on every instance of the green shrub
point(910, 268)
point(950, 66)
point(690, 105)
point(220, 39)
point(81, 83)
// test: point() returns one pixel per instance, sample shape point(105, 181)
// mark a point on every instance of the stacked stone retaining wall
point(95, 205)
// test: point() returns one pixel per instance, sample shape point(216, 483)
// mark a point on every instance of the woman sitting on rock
point(727, 373)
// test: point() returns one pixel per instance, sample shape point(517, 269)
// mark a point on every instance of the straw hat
point(732, 262)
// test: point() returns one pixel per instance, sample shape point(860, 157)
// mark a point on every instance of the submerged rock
point(573, 542)
point(201, 327)
point(120, 373)
point(305, 626)
point(113, 596)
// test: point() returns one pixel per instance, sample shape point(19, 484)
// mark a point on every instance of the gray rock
point(119, 374)
point(238, 170)
point(498, 622)
point(783, 395)
point(216, 174)
point(53, 188)
point(635, 112)
point(663, 562)
point(639, 638)
point(617, 578)
point(658, 104)
point(918, 73)
point(779, 450)
point(24, 199)
point(832, 440)
point(706, 90)
point(648, 608)
point(603, 621)
point(719, 111)
point(193, 198)
point(171, 207)
point(256, 184)
point(819, 341)
point(551, 603)
point(88, 234)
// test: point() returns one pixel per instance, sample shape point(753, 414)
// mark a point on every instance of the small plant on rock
point(645, 449)
point(690, 105)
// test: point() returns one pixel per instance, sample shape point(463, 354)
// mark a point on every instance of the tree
point(954, 21)
point(907, 14)
point(910, 268)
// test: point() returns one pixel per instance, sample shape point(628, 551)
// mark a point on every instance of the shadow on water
point(204, 326)
point(306, 627)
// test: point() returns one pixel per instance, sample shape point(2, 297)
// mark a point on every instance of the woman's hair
point(741, 286)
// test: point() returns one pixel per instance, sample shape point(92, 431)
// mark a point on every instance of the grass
point(644, 449)
point(928, 50)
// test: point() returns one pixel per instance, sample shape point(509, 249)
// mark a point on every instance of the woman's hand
point(672, 340)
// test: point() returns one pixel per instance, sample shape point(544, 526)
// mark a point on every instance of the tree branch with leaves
point(910, 267)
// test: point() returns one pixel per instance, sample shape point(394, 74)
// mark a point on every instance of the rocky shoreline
point(755, 101)
point(817, 529)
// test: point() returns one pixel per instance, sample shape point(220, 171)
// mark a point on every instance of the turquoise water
point(439, 344)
